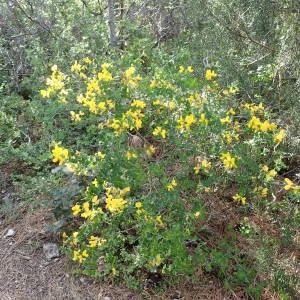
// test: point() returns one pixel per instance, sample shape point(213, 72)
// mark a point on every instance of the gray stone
point(10, 233)
point(51, 250)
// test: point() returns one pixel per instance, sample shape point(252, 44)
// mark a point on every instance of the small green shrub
point(148, 151)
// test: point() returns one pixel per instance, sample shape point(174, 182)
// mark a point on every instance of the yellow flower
point(226, 120)
point(87, 60)
point(128, 77)
point(233, 90)
point(159, 131)
point(190, 69)
point(138, 204)
point(130, 155)
point(254, 124)
point(60, 154)
point(95, 182)
point(263, 192)
point(156, 261)
point(84, 253)
point(210, 75)
point(172, 184)
point(270, 174)
point(266, 126)
point(239, 199)
point(76, 67)
point(231, 112)
point(87, 213)
point(150, 150)
point(100, 154)
point(197, 214)
point(76, 209)
point(228, 161)
point(290, 185)
point(138, 104)
point(95, 200)
point(93, 241)
point(279, 136)
point(189, 120)
point(197, 168)
point(181, 69)
point(45, 93)
point(159, 220)
point(140, 211)
point(77, 256)
point(203, 119)
point(115, 205)
point(76, 117)
point(54, 68)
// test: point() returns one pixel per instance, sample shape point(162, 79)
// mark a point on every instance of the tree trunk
point(112, 23)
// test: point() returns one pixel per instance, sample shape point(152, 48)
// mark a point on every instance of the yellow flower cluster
point(225, 120)
point(157, 261)
point(231, 90)
point(158, 131)
point(253, 108)
point(230, 137)
point(279, 136)
point(239, 199)
point(172, 185)
point(115, 202)
point(203, 119)
point(80, 256)
point(131, 155)
point(186, 122)
point(76, 117)
point(130, 120)
point(96, 241)
point(261, 191)
point(257, 125)
point(204, 165)
point(291, 186)
point(189, 69)
point(196, 100)
point(150, 150)
point(86, 211)
point(60, 154)
point(138, 205)
point(105, 75)
point(167, 105)
point(229, 161)
point(210, 75)
point(76, 67)
point(129, 78)
point(55, 83)
point(270, 174)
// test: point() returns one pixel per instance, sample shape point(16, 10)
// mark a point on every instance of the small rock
point(82, 279)
point(10, 233)
point(106, 298)
point(176, 296)
point(51, 250)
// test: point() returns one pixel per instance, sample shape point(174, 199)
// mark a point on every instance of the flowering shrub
point(166, 143)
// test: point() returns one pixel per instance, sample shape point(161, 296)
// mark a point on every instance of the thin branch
point(239, 34)
point(94, 13)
